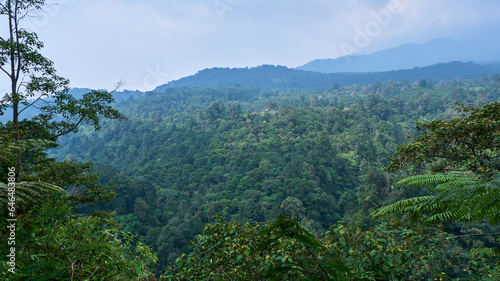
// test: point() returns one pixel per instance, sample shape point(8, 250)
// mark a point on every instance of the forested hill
point(279, 77)
point(244, 154)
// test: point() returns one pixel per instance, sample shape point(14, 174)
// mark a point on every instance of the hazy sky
point(96, 43)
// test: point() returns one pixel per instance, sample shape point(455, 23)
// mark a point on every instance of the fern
point(436, 179)
point(25, 192)
point(458, 198)
point(7, 149)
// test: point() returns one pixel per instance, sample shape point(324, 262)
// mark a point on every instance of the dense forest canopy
point(281, 77)
point(198, 164)
point(242, 154)
point(265, 173)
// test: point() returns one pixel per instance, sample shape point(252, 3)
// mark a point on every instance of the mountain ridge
point(407, 56)
point(274, 77)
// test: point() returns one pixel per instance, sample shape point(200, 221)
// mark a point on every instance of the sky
point(97, 43)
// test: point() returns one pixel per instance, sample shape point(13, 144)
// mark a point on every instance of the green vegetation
point(281, 77)
point(467, 148)
point(284, 250)
point(261, 181)
point(468, 142)
point(281, 251)
point(247, 155)
point(46, 233)
point(50, 241)
point(459, 198)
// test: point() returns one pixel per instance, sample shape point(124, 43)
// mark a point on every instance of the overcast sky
point(96, 43)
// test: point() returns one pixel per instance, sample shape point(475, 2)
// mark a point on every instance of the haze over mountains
point(278, 77)
point(439, 59)
point(409, 55)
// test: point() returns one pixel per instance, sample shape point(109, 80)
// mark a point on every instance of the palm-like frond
point(436, 179)
point(25, 192)
point(458, 198)
point(9, 149)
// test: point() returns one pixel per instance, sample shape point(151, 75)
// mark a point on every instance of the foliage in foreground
point(459, 198)
point(470, 142)
point(26, 191)
point(395, 251)
point(243, 251)
point(51, 244)
point(283, 250)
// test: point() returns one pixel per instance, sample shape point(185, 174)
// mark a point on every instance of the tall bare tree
point(36, 87)
point(35, 84)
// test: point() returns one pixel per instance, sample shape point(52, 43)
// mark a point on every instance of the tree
point(141, 209)
point(77, 178)
point(34, 84)
point(374, 189)
point(293, 207)
point(25, 192)
point(458, 198)
point(469, 144)
point(52, 244)
point(56, 243)
point(63, 246)
point(281, 250)
point(393, 251)
point(423, 83)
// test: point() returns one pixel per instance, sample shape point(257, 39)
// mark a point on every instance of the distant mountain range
point(412, 59)
point(408, 56)
point(276, 77)
point(438, 59)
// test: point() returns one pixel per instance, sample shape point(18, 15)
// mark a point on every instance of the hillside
point(281, 77)
point(213, 159)
point(187, 155)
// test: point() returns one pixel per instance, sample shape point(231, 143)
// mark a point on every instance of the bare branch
point(119, 84)
point(72, 128)
point(30, 105)
point(8, 74)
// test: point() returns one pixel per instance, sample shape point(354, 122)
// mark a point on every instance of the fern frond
point(27, 192)
point(436, 179)
point(9, 149)
point(454, 184)
point(403, 206)
point(458, 198)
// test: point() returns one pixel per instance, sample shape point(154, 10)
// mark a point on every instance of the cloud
point(138, 24)
point(112, 40)
point(97, 42)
